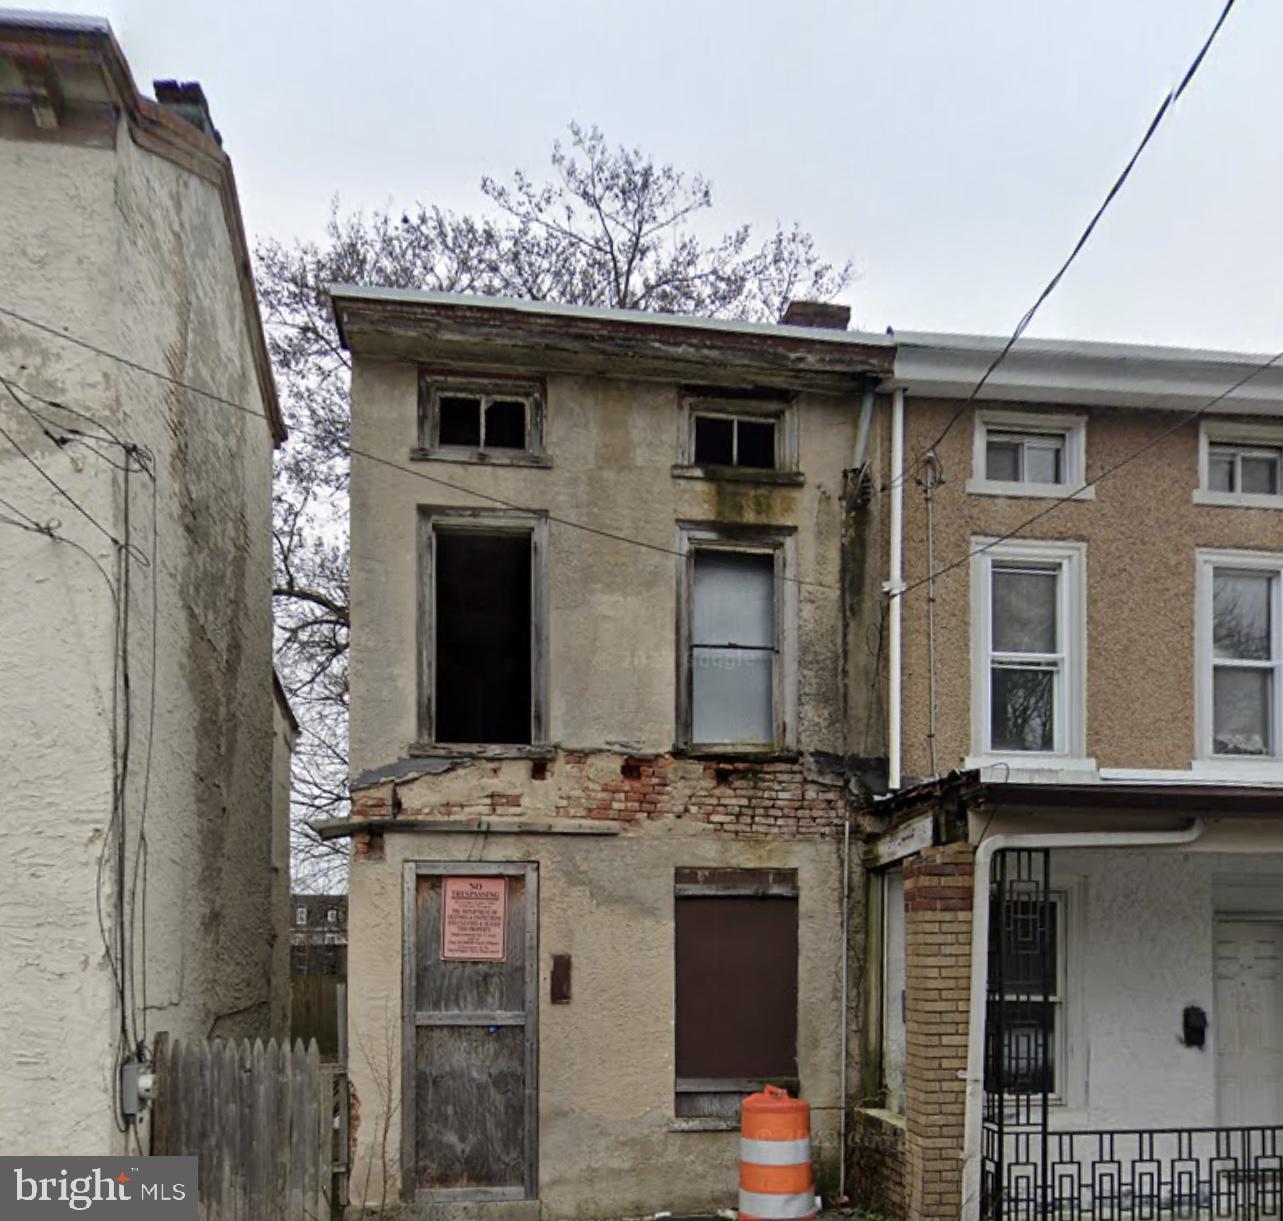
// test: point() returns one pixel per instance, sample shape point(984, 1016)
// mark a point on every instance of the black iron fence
point(1134, 1174)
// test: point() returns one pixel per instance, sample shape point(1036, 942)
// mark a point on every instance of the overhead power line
point(1105, 474)
point(1170, 100)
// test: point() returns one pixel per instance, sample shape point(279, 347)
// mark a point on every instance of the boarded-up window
point(736, 984)
point(482, 592)
point(733, 647)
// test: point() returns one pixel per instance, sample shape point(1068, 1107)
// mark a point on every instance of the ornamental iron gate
point(1019, 1047)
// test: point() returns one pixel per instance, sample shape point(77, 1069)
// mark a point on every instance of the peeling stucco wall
point(123, 248)
point(1141, 532)
point(612, 622)
point(607, 1147)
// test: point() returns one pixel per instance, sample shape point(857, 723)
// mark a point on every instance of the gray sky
point(952, 148)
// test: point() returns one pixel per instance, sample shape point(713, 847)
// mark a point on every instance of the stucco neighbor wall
point(123, 248)
point(607, 1146)
point(1141, 534)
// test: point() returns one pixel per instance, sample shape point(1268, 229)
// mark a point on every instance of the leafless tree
point(608, 227)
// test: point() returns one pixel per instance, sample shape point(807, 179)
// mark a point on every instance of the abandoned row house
point(725, 710)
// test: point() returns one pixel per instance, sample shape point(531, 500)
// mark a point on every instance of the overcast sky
point(952, 148)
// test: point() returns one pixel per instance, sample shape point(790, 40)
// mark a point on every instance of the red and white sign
point(474, 919)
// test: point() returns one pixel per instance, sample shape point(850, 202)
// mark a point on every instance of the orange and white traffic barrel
point(775, 1158)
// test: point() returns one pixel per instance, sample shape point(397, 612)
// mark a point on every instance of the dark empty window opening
point(483, 637)
point(726, 440)
point(483, 421)
point(459, 420)
point(505, 424)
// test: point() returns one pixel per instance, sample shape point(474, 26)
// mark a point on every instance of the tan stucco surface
point(606, 1144)
point(124, 249)
point(612, 629)
point(1141, 534)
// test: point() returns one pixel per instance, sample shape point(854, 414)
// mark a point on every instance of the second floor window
point(1028, 453)
point(497, 420)
point(1241, 690)
point(736, 660)
point(1027, 649)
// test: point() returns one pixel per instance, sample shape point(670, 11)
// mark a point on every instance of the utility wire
point(1105, 474)
point(1173, 96)
point(354, 452)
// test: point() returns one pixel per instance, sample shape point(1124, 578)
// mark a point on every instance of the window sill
point(480, 457)
point(704, 1125)
point(1043, 491)
point(1238, 500)
point(740, 474)
point(1033, 769)
point(758, 754)
point(1237, 769)
point(466, 750)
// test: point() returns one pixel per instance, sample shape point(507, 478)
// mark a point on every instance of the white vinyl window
point(1241, 655)
point(736, 660)
point(1029, 454)
point(1028, 648)
point(1240, 465)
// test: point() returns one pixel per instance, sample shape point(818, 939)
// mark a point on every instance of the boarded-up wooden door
point(470, 998)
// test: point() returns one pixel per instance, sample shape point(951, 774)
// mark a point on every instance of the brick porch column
point(938, 888)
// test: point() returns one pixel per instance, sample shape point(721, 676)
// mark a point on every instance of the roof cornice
point(495, 332)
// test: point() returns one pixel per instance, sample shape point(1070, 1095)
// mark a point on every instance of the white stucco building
point(143, 887)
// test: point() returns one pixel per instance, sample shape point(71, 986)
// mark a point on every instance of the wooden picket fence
point(267, 1123)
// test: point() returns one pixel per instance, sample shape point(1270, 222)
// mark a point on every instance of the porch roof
point(961, 791)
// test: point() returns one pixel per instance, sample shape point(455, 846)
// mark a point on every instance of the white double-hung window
point(1028, 647)
point(1240, 655)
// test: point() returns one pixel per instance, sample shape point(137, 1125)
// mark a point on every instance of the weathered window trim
point(781, 409)
point(433, 384)
point(1246, 436)
point(1073, 428)
point(781, 543)
point(1207, 763)
point(487, 521)
point(1071, 560)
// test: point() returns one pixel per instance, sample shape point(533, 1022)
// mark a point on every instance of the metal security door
point(1249, 1022)
point(469, 1022)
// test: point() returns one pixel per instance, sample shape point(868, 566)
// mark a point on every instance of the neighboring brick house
point(612, 707)
point(146, 886)
point(1074, 980)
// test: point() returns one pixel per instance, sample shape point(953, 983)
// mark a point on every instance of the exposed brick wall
point(938, 888)
point(735, 797)
point(878, 1164)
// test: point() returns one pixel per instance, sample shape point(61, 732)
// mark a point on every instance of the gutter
point(973, 1130)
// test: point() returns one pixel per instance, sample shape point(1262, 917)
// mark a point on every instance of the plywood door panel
point(469, 1076)
point(1249, 1022)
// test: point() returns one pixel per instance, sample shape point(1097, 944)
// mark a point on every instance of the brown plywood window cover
point(736, 977)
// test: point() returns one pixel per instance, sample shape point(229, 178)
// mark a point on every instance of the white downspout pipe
point(971, 1140)
point(893, 588)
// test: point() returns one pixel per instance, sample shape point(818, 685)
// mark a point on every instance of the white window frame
point(1206, 760)
point(1070, 558)
point(1073, 428)
point(781, 543)
point(1245, 436)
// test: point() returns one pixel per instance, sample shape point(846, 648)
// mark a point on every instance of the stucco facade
point(607, 801)
point(147, 859)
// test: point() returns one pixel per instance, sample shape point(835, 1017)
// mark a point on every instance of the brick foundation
point(938, 888)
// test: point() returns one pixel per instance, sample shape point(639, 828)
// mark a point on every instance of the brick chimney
point(186, 99)
point(817, 313)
